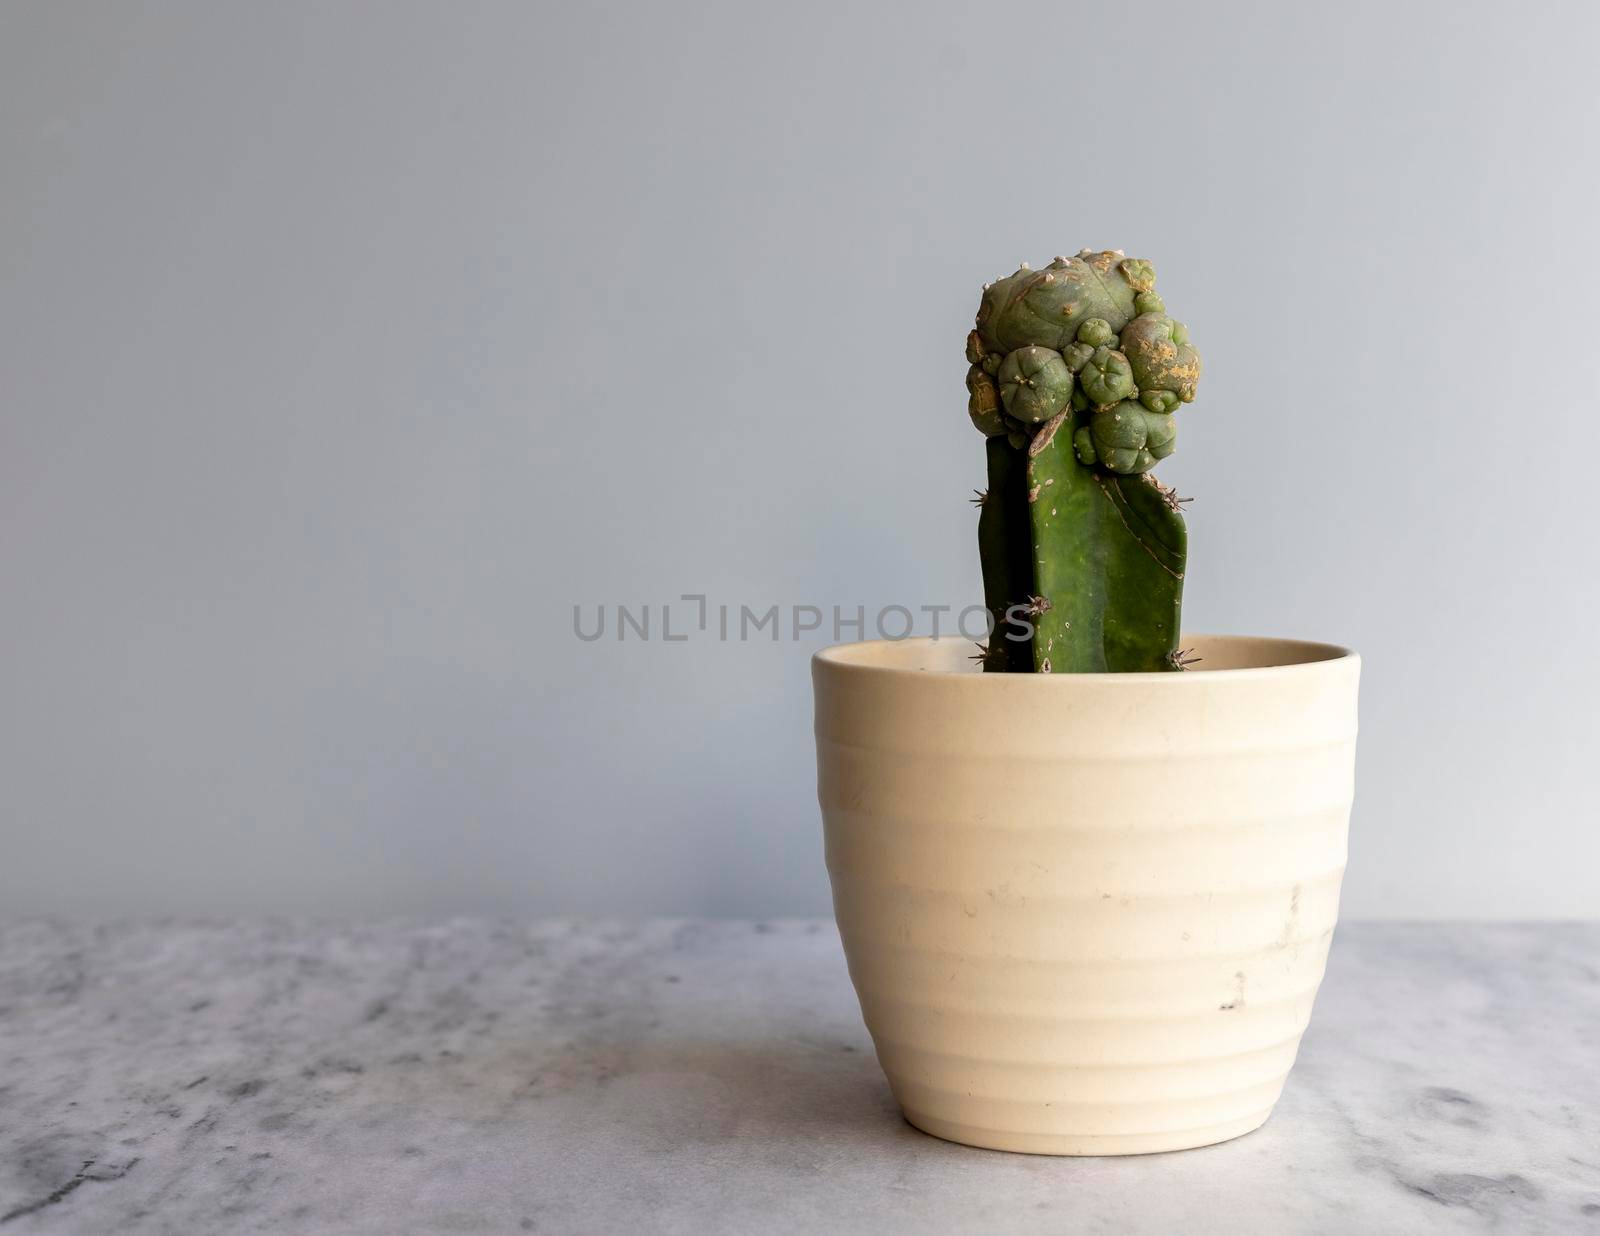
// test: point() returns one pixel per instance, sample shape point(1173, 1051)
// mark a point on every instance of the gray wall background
point(346, 347)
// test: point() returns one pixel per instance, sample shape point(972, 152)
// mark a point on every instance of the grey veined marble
point(478, 1076)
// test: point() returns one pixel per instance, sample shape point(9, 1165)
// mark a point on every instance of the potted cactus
point(1086, 882)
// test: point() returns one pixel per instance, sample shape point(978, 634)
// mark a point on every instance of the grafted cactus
point(1076, 371)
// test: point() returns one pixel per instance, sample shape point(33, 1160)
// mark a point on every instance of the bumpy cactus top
point(1087, 334)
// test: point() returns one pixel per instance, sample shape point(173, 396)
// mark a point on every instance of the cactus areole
point(1076, 371)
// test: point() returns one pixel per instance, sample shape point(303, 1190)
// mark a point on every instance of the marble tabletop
point(704, 1077)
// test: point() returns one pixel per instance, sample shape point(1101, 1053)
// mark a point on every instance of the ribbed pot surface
point(1086, 914)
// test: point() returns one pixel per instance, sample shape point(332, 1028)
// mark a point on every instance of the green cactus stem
point(1003, 544)
point(1109, 554)
point(1076, 372)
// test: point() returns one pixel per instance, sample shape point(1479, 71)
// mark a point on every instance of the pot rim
point(1306, 657)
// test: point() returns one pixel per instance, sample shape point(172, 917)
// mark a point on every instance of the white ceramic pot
point(1086, 913)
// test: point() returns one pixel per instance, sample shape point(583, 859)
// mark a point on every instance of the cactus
point(1076, 370)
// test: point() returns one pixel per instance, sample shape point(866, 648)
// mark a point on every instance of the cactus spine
point(1075, 372)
